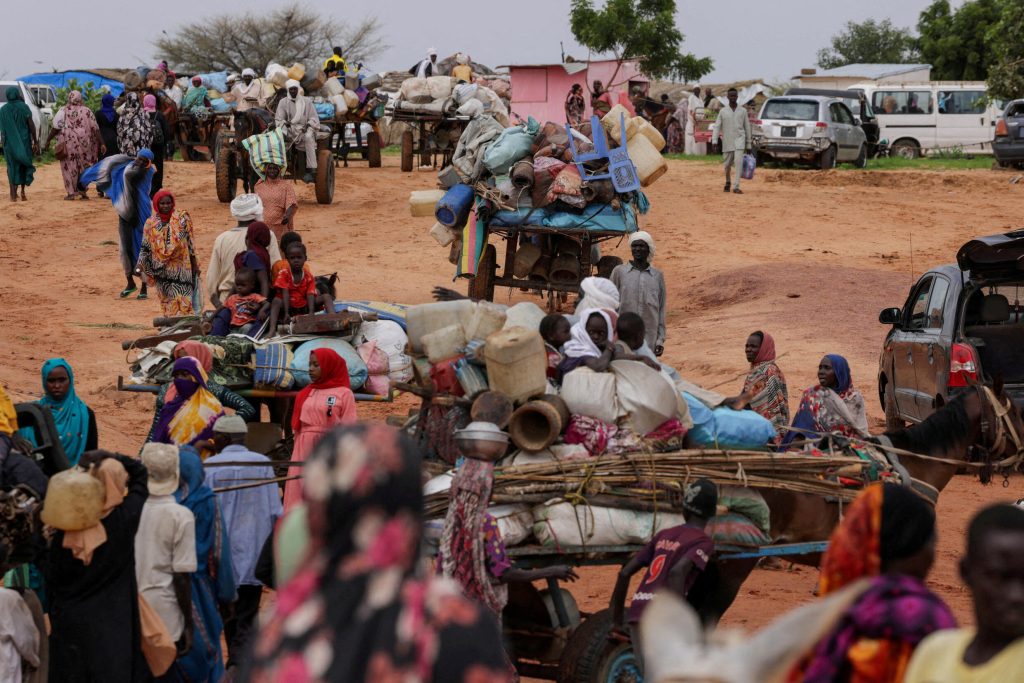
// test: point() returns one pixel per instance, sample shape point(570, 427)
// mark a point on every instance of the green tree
point(644, 30)
point(92, 96)
point(871, 42)
point(1006, 40)
point(956, 43)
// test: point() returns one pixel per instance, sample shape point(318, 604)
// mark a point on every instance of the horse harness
point(1005, 432)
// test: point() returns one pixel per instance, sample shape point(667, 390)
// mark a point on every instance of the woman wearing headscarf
point(228, 399)
point(326, 403)
point(19, 142)
point(196, 100)
point(359, 609)
point(887, 541)
point(168, 257)
point(90, 574)
point(764, 389)
point(126, 180)
point(591, 343)
point(75, 421)
point(213, 581)
point(79, 141)
point(575, 105)
point(256, 256)
point(187, 417)
point(161, 136)
point(106, 121)
point(832, 405)
point(279, 200)
point(134, 127)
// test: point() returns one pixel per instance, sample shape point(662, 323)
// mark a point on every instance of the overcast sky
point(767, 39)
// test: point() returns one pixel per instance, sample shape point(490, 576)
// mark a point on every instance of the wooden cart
point(430, 134)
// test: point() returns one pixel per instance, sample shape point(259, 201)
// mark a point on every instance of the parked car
point(859, 106)
point(821, 131)
point(1008, 145)
point(962, 323)
point(39, 119)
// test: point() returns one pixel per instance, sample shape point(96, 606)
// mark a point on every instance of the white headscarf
point(599, 292)
point(580, 345)
point(247, 207)
point(248, 72)
point(431, 51)
point(646, 238)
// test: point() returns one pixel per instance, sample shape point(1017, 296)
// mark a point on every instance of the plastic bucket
point(453, 209)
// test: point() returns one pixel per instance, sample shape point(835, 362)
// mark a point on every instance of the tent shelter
point(113, 78)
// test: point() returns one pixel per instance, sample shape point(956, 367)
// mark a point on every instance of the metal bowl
point(482, 441)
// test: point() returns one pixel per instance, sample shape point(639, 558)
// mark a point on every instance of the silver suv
point(821, 131)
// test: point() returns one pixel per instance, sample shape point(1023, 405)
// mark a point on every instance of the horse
point(980, 421)
point(246, 123)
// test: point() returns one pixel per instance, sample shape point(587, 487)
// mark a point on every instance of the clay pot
point(565, 269)
point(535, 426)
point(492, 406)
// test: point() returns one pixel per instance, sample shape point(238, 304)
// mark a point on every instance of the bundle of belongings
point(445, 96)
point(369, 336)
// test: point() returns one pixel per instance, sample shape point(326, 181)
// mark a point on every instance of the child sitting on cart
point(674, 558)
point(296, 290)
point(243, 309)
point(556, 331)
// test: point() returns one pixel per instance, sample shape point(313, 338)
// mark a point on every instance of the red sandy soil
point(809, 256)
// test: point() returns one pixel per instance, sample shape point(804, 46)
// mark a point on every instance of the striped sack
point(266, 148)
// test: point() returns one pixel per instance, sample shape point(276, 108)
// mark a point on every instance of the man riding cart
point(297, 118)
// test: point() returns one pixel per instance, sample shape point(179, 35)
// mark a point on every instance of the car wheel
point(893, 421)
point(827, 159)
point(862, 157)
point(906, 149)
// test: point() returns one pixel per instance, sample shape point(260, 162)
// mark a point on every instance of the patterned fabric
point(134, 127)
point(244, 309)
point(574, 108)
point(78, 134)
point(769, 395)
point(194, 101)
point(357, 611)
point(462, 554)
point(494, 547)
point(853, 549)
point(70, 414)
point(266, 148)
point(600, 437)
point(188, 418)
point(166, 259)
point(227, 398)
point(277, 196)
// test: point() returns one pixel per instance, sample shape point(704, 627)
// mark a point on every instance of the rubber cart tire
point(373, 150)
point(407, 152)
point(481, 286)
point(324, 177)
point(227, 182)
point(591, 656)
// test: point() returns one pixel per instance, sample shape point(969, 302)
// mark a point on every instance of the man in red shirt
point(674, 558)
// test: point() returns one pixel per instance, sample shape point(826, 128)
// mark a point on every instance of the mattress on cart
point(437, 107)
point(594, 218)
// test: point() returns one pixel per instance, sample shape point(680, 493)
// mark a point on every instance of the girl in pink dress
point(323, 405)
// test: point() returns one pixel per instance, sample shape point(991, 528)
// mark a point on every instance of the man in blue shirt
point(249, 515)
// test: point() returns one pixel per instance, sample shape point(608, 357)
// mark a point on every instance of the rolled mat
point(522, 174)
point(453, 208)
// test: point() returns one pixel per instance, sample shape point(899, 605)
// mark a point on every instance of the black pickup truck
point(961, 323)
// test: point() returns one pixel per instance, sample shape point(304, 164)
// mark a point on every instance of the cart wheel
point(227, 181)
point(373, 150)
point(407, 152)
point(591, 656)
point(425, 155)
point(481, 286)
point(324, 177)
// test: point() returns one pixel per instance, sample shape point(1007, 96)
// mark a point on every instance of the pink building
point(539, 90)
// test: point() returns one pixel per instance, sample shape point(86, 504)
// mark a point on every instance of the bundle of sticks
point(653, 481)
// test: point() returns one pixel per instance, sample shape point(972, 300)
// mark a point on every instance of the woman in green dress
point(19, 142)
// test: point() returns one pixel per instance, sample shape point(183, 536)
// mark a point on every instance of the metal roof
point(869, 71)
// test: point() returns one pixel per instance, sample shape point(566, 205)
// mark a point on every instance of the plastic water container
point(650, 132)
point(425, 318)
point(650, 165)
point(487, 319)
point(517, 363)
point(453, 209)
point(443, 343)
point(351, 99)
point(74, 501)
point(277, 74)
point(297, 71)
point(340, 105)
point(423, 202)
point(524, 314)
point(332, 86)
point(612, 121)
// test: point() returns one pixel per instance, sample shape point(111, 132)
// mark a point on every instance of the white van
point(918, 118)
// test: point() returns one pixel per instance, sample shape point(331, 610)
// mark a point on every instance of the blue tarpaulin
point(60, 80)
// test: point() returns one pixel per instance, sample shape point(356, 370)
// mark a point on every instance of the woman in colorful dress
point(832, 405)
point(20, 143)
point(359, 609)
point(764, 389)
point(575, 106)
point(76, 130)
point(168, 257)
point(134, 127)
point(887, 542)
point(187, 418)
point(279, 201)
point(326, 403)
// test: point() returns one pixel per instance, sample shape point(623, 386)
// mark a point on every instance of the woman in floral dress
point(77, 132)
point(168, 257)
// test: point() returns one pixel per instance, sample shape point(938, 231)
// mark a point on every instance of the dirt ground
point(810, 257)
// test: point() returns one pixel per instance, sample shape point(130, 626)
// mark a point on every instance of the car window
point(790, 110)
point(962, 102)
point(917, 307)
point(840, 114)
point(902, 102)
point(937, 303)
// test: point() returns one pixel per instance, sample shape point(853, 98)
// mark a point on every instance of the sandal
point(142, 296)
point(737, 191)
point(128, 291)
point(727, 186)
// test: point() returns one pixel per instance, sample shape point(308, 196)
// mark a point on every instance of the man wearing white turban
point(642, 289)
point(249, 93)
point(297, 117)
point(220, 274)
point(425, 68)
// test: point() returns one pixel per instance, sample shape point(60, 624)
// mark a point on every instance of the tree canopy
point(1006, 40)
point(869, 42)
point(644, 30)
point(294, 33)
point(956, 43)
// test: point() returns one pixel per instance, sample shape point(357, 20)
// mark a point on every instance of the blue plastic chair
point(621, 170)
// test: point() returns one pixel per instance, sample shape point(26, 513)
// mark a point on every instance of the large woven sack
point(357, 372)
point(440, 87)
point(273, 367)
point(415, 90)
point(557, 523)
point(591, 393)
point(377, 367)
point(646, 395)
point(512, 145)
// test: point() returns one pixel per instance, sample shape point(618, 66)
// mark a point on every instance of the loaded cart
point(432, 131)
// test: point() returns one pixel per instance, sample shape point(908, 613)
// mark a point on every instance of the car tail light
point(963, 365)
point(820, 125)
point(1001, 130)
